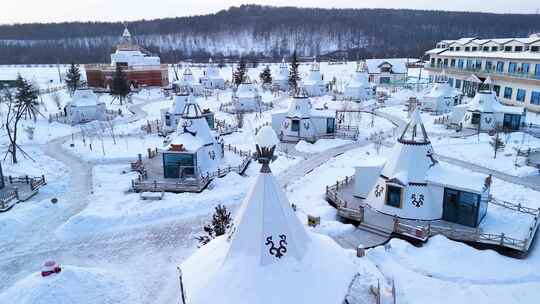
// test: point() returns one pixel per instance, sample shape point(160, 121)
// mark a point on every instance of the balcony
point(484, 72)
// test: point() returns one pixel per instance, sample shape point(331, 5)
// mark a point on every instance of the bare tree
point(14, 114)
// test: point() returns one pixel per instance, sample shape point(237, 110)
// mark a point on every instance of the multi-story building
point(140, 67)
point(510, 65)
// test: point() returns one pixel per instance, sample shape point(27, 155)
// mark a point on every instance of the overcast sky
point(113, 10)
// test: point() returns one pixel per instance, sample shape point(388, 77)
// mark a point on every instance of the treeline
point(262, 32)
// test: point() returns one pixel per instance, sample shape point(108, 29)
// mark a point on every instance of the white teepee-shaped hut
point(301, 121)
point(246, 98)
point(442, 98)
point(171, 116)
point(268, 257)
point(212, 78)
point(314, 84)
point(189, 81)
point(358, 89)
point(280, 81)
point(194, 149)
point(411, 184)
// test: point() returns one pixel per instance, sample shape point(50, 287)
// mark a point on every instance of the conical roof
point(300, 105)
point(414, 132)
point(193, 131)
point(179, 103)
point(412, 155)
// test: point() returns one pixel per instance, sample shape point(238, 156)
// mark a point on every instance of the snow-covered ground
point(479, 151)
point(117, 248)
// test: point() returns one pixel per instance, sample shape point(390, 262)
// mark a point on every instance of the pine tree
point(294, 76)
point(26, 99)
point(240, 74)
point(120, 86)
point(220, 224)
point(73, 78)
point(266, 75)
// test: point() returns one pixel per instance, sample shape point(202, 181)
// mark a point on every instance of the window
point(393, 196)
point(518, 49)
point(177, 165)
point(500, 66)
point(535, 98)
point(295, 125)
point(460, 64)
point(485, 49)
point(508, 48)
point(467, 49)
point(512, 67)
point(474, 49)
point(451, 48)
point(497, 89)
point(525, 67)
point(478, 64)
point(469, 64)
point(520, 96)
point(445, 62)
point(458, 48)
point(489, 66)
point(451, 81)
point(508, 93)
point(535, 48)
point(458, 83)
point(537, 70)
point(384, 80)
point(494, 48)
point(453, 63)
point(433, 62)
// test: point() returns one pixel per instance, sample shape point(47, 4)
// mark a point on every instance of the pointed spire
point(414, 132)
point(210, 60)
point(266, 144)
point(191, 110)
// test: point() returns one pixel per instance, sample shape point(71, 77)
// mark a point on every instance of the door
point(511, 122)
point(330, 125)
point(461, 207)
point(295, 126)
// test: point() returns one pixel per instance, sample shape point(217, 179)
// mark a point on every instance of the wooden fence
point(423, 229)
point(195, 184)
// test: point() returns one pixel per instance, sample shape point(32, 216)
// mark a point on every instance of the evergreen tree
point(220, 224)
point(240, 74)
point(266, 75)
point(26, 99)
point(294, 76)
point(73, 78)
point(120, 87)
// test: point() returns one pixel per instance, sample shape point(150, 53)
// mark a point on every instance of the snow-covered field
point(116, 248)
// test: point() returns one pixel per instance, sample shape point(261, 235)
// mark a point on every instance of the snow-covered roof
point(266, 137)
point(84, 98)
point(179, 104)
point(300, 106)
point(436, 51)
point(359, 80)
point(486, 101)
point(411, 156)
point(399, 65)
point(193, 131)
point(442, 89)
point(247, 90)
point(494, 55)
point(446, 176)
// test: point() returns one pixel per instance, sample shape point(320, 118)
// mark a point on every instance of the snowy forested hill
point(259, 31)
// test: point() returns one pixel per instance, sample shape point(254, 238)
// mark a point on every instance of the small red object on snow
point(49, 268)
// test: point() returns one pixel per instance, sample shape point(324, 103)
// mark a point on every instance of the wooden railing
point(191, 184)
point(424, 229)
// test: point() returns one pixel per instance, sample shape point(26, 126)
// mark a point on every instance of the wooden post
point(182, 292)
